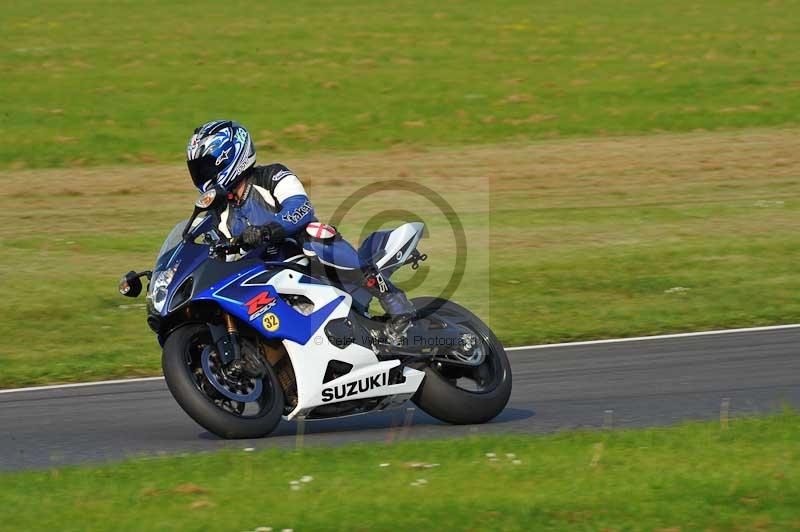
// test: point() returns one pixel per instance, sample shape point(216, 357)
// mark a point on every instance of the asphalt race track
point(626, 384)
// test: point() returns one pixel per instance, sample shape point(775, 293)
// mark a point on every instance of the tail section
point(387, 250)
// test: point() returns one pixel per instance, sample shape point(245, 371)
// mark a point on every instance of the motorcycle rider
point(268, 204)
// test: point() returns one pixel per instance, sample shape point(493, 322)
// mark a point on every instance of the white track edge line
point(79, 384)
point(517, 348)
point(658, 337)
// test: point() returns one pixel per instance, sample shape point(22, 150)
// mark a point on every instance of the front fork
point(226, 338)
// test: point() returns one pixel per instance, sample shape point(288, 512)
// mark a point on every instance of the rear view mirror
point(130, 285)
point(210, 198)
point(206, 199)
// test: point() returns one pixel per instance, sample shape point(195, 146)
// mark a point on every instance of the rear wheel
point(231, 406)
point(458, 392)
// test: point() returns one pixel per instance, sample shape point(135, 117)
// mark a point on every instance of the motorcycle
point(249, 341)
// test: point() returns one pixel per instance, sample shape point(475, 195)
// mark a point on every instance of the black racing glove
point(255, 235)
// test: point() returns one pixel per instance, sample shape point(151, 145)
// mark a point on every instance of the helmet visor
point(202, 170)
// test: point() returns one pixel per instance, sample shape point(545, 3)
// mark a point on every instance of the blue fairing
point(232, 293)
point(188, 256)
point(233, 296)
point(191, 256)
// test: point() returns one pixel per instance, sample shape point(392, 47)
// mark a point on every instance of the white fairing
point(401, 243)
point(310, 360)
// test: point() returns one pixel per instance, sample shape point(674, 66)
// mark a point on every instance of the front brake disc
point(240, 388)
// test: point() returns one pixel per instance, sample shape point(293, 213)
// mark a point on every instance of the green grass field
point(88, 82)
point(688, 477)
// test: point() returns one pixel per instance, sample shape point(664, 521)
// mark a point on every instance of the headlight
point(159, 286)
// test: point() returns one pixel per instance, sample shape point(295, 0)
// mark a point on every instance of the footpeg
point(415, 258)
point(395, 331)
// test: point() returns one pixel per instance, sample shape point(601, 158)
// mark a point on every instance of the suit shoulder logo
point(281, 174)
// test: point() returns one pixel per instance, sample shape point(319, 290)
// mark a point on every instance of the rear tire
point(440, 398)
point(178, 350)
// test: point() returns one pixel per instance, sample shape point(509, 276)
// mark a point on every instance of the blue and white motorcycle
point(249, 341)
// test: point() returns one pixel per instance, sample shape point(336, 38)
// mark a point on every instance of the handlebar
point(230, 247)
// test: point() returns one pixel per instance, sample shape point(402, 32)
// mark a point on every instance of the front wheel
point(458, 393)
point(230, 407)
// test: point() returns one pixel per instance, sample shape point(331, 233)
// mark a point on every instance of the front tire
point(180, 361)
point(439, 394)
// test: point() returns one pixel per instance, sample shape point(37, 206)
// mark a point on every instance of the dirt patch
point(651, 164)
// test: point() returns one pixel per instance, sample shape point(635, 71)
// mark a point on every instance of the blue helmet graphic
point(219, 153)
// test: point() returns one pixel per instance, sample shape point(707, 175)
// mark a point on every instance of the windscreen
point(176, 236)
point(173, 238)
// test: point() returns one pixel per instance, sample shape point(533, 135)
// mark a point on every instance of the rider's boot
point(395, 304)
point(400, 311)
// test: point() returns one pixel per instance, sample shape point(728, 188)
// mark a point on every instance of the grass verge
point(134, 78)
point(568, 240)
point(692, 476)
